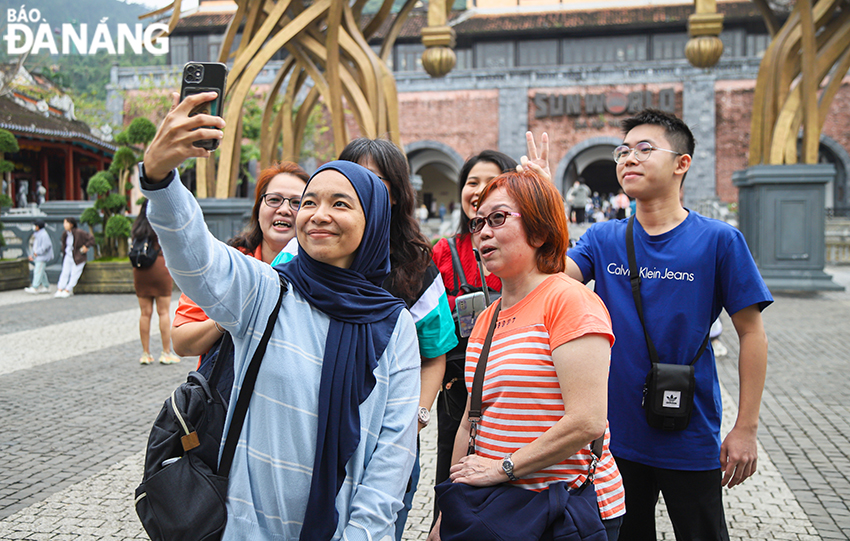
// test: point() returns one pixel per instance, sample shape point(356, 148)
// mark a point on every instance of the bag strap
point(634, 278)
point(457, 268)
point(478, 381)
point(247, 389)
point(475, 398)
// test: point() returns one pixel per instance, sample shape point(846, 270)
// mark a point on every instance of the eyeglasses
point(275, 200)
point(494, 220)
point(642, 152)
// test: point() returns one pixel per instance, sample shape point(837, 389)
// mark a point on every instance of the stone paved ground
point(76, 409)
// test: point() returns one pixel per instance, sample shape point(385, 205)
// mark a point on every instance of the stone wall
point(466, 120)
point(566, 132)
point(734, 104)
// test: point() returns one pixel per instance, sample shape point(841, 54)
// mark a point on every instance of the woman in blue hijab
point(329, 439)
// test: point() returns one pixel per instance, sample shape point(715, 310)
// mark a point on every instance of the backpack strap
point(457, 268)
point(634, 278)
point(247, 389)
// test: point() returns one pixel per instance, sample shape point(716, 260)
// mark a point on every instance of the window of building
point(494, 55)
point(604, 50)
point(757, 44)
point(542, 52)
point(733, 43)
point(409, 57)
point(669, 46)
point(178, 49)
point(464, 59)
point(199, 48)
point(214, 44)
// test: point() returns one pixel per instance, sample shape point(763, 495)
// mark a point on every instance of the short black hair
point(675, 129)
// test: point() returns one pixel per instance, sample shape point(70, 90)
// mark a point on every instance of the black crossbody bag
point(668, 392)
point(184, 489)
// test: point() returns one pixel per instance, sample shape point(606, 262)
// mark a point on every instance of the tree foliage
point(8, 143)
point(141, 131)
point(107, 214)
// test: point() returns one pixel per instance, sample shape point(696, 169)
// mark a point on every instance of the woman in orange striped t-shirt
point(545, 388)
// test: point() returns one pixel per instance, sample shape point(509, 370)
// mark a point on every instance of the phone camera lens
point(193, 74)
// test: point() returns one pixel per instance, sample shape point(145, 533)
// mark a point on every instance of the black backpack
point(142, 253)
point(184, 488)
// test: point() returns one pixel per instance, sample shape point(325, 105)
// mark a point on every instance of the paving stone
point(75, 427)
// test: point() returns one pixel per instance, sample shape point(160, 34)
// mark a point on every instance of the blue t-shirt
point(688, 275)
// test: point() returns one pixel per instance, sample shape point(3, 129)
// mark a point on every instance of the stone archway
point(837, 191)
point(594, 157)
point(434, 169)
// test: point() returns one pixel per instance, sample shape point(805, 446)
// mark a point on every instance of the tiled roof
point(581, 22)
point(204, 20)
point(483, 24)
point(21, 120)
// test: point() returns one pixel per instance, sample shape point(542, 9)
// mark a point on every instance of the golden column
point(799, 75)
point(330, 64)
point(704, 48)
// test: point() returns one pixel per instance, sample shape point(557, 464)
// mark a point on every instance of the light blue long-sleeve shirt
point(273, 464)
point(42, 248)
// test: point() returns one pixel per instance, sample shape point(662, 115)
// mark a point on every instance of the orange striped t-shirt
point(522, 397)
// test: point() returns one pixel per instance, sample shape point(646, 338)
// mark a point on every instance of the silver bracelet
point(217, 326)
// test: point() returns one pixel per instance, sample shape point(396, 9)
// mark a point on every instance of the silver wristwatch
point(424, 416)
point(508, 467)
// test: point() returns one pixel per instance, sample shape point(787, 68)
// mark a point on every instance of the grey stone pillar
point(225, 218)
point(781, 213)
point(699, 114)
point(513, 120)
point(114, 98)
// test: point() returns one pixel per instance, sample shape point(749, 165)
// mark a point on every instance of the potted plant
point(110, 272)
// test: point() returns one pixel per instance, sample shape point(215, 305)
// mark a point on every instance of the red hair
point(252, 235)
point(543, 217)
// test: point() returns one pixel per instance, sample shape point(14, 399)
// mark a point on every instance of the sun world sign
point(615, 103)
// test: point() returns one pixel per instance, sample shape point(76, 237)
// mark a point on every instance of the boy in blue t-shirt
point(691, 268)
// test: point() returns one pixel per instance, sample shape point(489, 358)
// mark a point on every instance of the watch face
point(424, 416)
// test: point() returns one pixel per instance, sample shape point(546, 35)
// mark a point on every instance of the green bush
point(118, 227)
point(8, 143)
point(141, 131)
point(100, 184)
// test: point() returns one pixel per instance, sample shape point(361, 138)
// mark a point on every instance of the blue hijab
point(363, 317)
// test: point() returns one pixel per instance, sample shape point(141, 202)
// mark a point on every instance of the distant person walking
point(42, 253)
point(153, 285)
point(75, 245)
point(621, 203)
point(578, 196)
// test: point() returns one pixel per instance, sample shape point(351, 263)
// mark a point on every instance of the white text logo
point(21, 39)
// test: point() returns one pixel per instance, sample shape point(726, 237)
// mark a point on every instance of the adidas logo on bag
point(672, 399)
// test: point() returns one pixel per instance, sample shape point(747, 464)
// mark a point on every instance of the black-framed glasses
point(275, 200)
point(494, 220)
point(642, 151)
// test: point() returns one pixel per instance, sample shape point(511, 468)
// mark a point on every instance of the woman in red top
point(271, 227)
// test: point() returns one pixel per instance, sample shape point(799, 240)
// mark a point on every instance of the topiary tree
point(108, 213)
point(141, 131)
point(8, 143)
point(122, 163)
